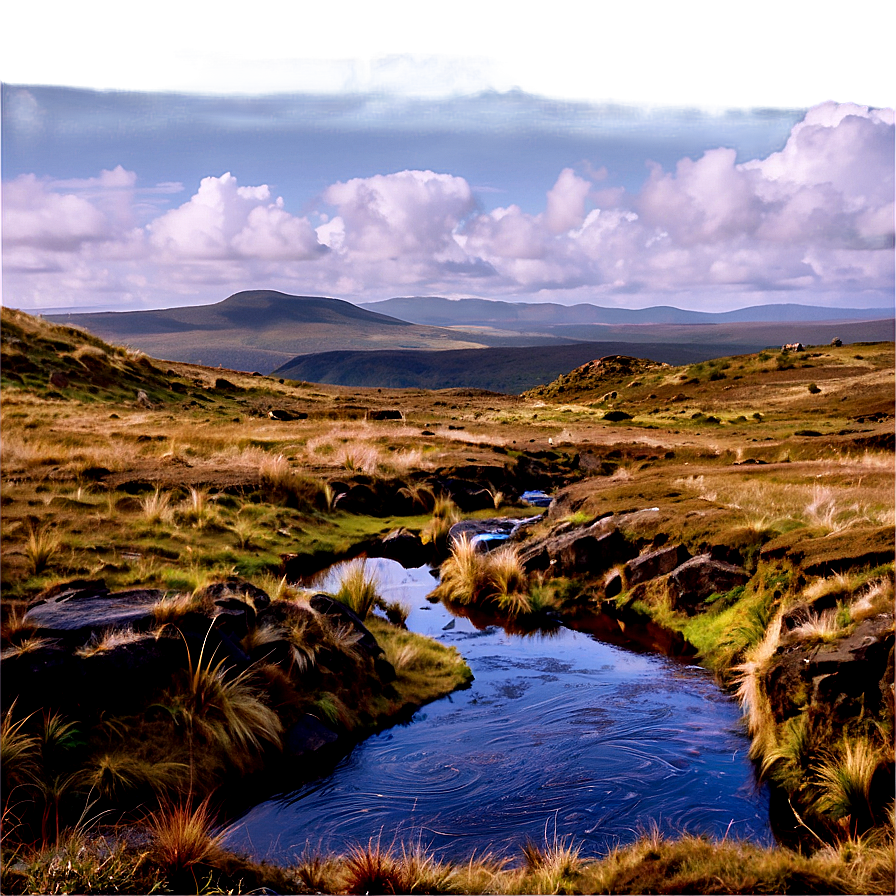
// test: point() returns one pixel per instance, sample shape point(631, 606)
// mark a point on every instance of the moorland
point(163, 663)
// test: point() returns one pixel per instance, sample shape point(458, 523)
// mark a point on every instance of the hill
point(487, 312)
point(509, 369)
point(262, 329)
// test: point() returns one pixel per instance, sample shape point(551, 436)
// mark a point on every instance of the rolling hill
point(262, 329)
point(508, 369)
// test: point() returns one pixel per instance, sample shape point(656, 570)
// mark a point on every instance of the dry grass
point(183, 838)
point(41, 548)
point(843, 780)
point(109, 640)
point(358, 588)
point(157, 507)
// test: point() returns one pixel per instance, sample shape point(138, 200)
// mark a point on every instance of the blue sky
point(410, 174)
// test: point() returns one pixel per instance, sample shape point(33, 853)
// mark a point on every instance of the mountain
point(262, 329)
point(443, 312)
point(510, 370)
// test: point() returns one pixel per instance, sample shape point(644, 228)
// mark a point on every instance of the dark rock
point(223, 385)
point(58, 380)
point(78, 613)
point(235, 587)
point(385, 414)
point(583, 550)
point(655, 564)
point(692, 582)
point(359, 498)
point(616, 416)
point(613, 584)
point(337, 610)
point(401, 545)
point(593, 465)
point(309, 737)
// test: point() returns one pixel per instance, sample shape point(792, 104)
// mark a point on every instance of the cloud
point(816, 216)
point(223, 221)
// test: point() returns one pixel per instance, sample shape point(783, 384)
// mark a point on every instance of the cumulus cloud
point(223, 220)
point(817, 215)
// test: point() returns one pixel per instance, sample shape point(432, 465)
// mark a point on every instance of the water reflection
point(601, 742)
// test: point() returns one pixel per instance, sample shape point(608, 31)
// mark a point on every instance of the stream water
point(559, 734)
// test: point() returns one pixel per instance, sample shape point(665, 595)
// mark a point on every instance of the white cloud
point(223, 220)
point(816, 216)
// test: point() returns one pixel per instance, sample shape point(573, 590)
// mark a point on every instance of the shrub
point(813, 389)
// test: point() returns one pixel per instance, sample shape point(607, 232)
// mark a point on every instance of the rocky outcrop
point(582, 550)
point(690, 584)
point(653, 564)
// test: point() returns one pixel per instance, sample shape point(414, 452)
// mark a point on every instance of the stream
point(560, 735)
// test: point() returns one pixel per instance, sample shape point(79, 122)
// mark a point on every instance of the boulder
point(58, 380)
point(143, 400)
point(81, 609)
point(655, 564)
point(401, 545)
point(691, 583)
point(385, 414)
point(582, 550)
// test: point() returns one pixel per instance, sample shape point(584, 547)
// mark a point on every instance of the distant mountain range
point(442, 312)
point(266, 330)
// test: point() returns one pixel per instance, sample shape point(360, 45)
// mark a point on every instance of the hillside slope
point(510, 369)
point(261, 329)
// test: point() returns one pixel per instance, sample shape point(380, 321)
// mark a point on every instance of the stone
point(77, 611)
point(284, 416)
point(385, 414)
point(582, 550)
point(235, 587)
point(655, 564)
point(58, 380)
point(691, 583)
point(143, 400)
point(405, 547)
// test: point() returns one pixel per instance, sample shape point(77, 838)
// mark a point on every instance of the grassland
point(156, 474)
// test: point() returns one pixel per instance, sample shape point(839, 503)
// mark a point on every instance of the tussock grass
point(41, 548)
point(19, 752)
point(843, 779)
point(358, 589)
point(157, 507)
point(819, 628)
point(226, 710)
point(120, 776)
point(496, 579)
point(183, 838)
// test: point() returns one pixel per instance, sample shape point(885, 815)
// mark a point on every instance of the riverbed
point(560, 735)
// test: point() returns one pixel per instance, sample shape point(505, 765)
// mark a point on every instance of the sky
point(691, 154)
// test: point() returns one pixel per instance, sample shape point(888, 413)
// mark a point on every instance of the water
point(559, 734)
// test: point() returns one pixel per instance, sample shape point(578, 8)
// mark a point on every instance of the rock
point(58, 380)
point(358, 498)
point(385, 414)
point(284, 416)
point(401, 545)
point(583, 550)
point(223, 385)
point(143, 401)
point(235, 587)
point(616, 416)
point(309, 737)
point(655, 564)
point(613, 584)
point(335, 609)
point(691, 583)
point(76, 613)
